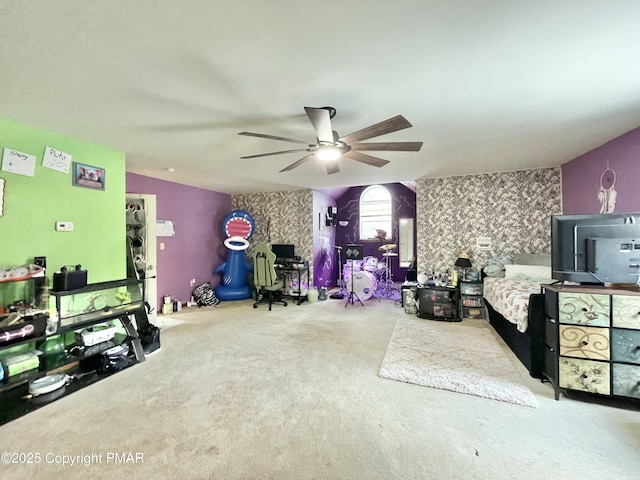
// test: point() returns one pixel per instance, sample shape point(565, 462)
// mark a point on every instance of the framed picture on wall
point(88, 176)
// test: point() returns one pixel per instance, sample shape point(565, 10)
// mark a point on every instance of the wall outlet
point(64, 226)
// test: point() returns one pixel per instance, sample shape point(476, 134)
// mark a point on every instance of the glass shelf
point(97, 302)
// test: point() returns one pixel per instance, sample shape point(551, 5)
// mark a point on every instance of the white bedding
point(510, 298)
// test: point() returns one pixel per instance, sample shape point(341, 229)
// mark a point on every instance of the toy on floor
point(238, 226)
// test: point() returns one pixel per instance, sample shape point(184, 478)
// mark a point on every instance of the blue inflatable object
point(238, 226)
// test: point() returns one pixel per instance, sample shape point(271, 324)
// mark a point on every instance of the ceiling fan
point(330, 147)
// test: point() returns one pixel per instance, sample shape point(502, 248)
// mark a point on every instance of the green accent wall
point(32, 205)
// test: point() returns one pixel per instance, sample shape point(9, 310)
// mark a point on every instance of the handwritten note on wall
point(56, 160)
point(18, 162)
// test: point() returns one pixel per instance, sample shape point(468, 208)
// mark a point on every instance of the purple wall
point(324, 253)
point(581, 177)
point(404, 206)
point(197, 247)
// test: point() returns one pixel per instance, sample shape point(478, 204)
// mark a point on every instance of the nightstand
point(471, 301)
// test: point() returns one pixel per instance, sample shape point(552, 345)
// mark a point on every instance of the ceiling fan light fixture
point(328, 152)
point(331, 148)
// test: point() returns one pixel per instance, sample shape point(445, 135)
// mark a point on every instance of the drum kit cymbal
point(387, 250)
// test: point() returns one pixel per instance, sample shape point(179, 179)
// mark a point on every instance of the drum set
point(371, 275)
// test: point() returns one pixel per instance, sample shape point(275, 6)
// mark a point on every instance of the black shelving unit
point(77, 309)
point(471, 300)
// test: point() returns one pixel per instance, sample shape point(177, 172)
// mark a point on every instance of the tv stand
point(78, 310)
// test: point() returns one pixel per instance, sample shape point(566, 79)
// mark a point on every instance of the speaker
point(411, 275)
point(69, 279)
point(353, 251)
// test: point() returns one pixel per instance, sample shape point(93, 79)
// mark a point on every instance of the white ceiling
point(488, 85)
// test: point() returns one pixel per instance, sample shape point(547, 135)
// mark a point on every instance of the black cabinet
point(438, 303)
point(78, 350)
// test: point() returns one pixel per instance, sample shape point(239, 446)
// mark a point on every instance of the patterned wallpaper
point(512, 208)
point(287, 216)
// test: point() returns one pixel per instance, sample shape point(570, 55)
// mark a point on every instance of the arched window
point(375, 212)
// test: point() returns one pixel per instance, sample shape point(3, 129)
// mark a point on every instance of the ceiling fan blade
point(277, 153)
point(364, 158)
point(388, 147)
point(273, 137)
point(297, 163)
point(390, 125)
point(332, 167)
point(321, 121)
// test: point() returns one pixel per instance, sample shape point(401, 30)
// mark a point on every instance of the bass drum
point(364, 284)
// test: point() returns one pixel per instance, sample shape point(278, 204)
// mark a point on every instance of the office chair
point(264, 276)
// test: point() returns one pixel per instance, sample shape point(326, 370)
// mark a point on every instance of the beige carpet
point(292, 394)
point(454, 357)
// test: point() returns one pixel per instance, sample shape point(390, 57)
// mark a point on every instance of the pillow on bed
point(533, 273)
point(495, 267)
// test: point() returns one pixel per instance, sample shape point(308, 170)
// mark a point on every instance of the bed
point(515, 305)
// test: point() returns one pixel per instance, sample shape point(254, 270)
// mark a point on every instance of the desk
point(287, 273)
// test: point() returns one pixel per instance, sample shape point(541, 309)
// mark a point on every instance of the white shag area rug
point(455, 357)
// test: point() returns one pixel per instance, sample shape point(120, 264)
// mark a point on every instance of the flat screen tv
point(596, 249)
point(283, 250)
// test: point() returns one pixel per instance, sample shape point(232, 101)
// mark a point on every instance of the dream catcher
point(607, 193)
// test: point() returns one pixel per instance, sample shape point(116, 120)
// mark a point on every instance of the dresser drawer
point(584, 309)
point(626, 311)
point(626, 380)
point(584, 342)
point(586, 375)
point(471, 301)
point(470, 288)
point(625, 345)
point(470, 312)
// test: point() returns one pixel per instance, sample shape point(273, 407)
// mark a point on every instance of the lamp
point(463, 262)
